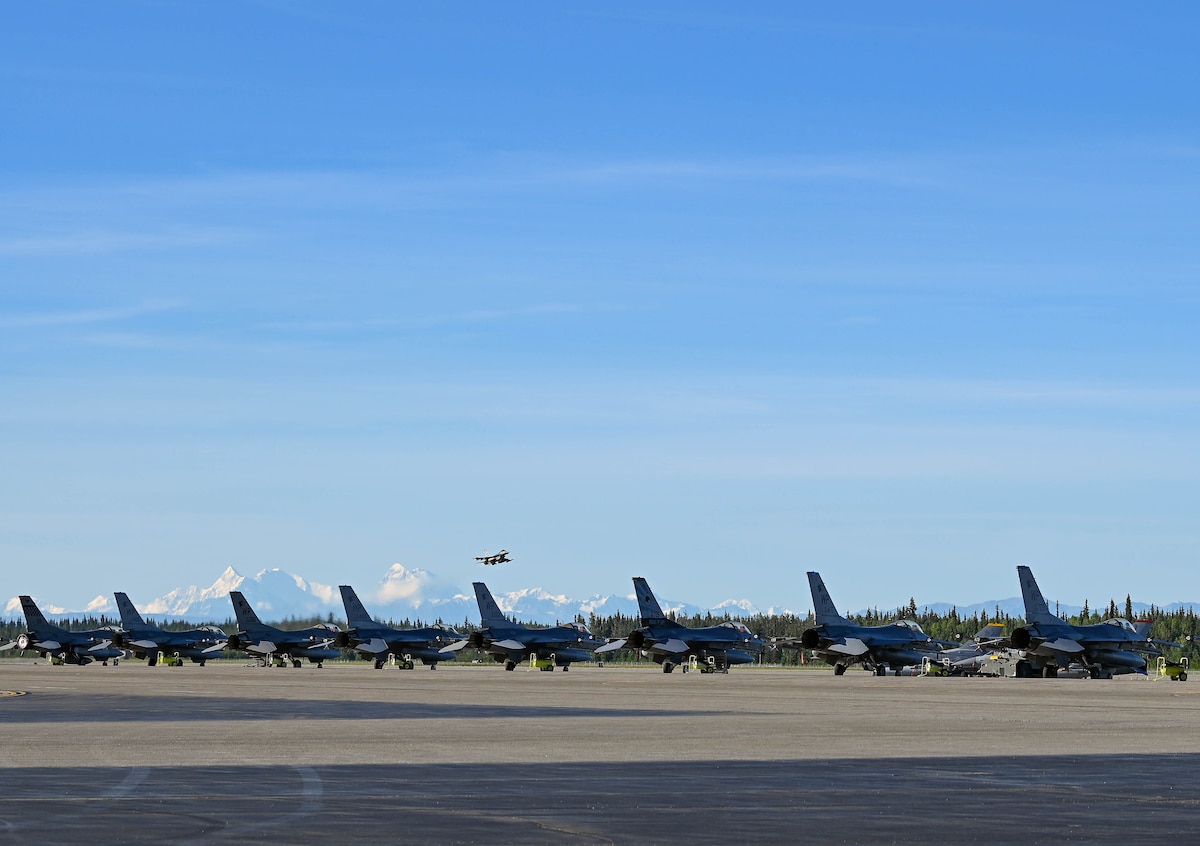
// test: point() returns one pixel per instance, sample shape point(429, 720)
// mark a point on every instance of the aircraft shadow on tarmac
point(115, 708)
point(997, 800)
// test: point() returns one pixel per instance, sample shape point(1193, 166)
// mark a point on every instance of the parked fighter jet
point(62, 645)
point(1049, 643)
point(670, 643)
point(375, 640)
point(151, 642)
point(513, 643)
point(500, 557)
point(840, 642)
point(268, 642)
point(973, 657)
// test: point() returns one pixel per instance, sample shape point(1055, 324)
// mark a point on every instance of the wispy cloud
point(100, 241)
point(77, 317)
point(417, 321)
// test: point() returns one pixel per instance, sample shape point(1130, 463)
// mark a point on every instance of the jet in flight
point(270, 643)
point(672, 644)
point(513, 643)
point(841, 642)
point(151, 643)
point(375, 640)
point(500, 557)
point(62, 645)
point(1049, 643)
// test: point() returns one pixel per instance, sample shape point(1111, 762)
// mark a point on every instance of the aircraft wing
point(674, 646)
point(848, 646)
point(613, 646)
point(375, 645)
point(1062, 644)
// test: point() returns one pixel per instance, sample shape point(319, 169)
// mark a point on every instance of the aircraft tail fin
point(246, 618)
point(356, 614)
point(1036, 609)
point(648, 607)
point(130, 618)
point(33, 615)
point(489, 612)
point(823, 607)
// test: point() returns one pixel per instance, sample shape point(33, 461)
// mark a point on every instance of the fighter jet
point(840, 642)
point(151, 642)
point(375, 640)
point(671, 644)
point(972, 657)
point(513, 643)
point(500, 557)
point(269, 643)
point(1048, 643)
point(62, 645)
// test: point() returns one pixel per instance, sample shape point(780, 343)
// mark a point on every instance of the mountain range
point(415, 594)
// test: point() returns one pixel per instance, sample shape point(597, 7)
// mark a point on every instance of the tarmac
point(234, 754)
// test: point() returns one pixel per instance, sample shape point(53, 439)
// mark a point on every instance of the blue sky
point(902, 293)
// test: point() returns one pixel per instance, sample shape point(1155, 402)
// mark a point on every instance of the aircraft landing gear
point(510, 665)
point(566, 667)
point(881, 669)
point(668, 666)
point(378, 663)
point(296, 663)
point(839, 669)
point(1050, 672)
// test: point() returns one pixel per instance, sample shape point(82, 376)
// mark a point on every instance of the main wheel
point(378, 663)
point(1049, 672)
point(510, 665)
point(668, 666)
point(881, 670)
point(839, 669)
point(566, 667)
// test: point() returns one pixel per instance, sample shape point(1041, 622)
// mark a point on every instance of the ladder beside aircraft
point(1173, 670)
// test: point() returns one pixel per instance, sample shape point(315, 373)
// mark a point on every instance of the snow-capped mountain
point(415, 594)
point(403, 593)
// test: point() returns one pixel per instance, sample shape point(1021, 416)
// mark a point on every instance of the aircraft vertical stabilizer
point(33, 615)
point(824, 609)
point(246, 618)
point(489, 612)
point(648, 607)
point(130, 618)
point(1036, 609)
point(356, 614)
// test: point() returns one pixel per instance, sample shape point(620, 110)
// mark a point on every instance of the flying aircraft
point(1049, 643)
point(269, 643)
point(151, 642)
point(62, 645)
point(513, 643)
point(841, 642)
point(500, 557)
point(671, 644)
point(375, 640)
